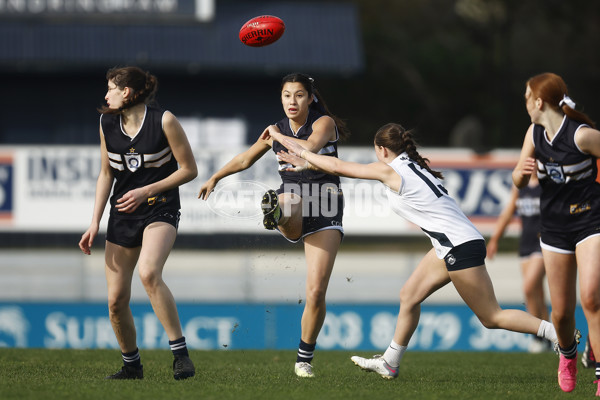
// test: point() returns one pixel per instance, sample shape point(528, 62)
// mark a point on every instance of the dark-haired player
point(141, 147)
point(309, 204)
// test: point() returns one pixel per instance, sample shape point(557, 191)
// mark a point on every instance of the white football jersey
point(424, 201)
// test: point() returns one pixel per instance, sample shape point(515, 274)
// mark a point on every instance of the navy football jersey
point(306, 176)
point(140, 160)
point(570, 199)
point(528, 208)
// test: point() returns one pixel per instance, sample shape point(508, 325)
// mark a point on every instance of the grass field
point(78, 374)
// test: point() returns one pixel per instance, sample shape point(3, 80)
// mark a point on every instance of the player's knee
point(490, 321)
point(532, 289)
point(590, 302)
point(407, 298)
point(316, 295)
point(117, 304)
point(149, 277)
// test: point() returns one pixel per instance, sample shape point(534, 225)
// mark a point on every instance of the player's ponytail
point(143, 85)
point(552, 89)
point(399, 140)
point(318, 102)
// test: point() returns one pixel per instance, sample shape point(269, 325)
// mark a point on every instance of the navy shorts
point(322, 207)
point(529, 245)
point(467, 255)
point(128, 232)
point(565, 242)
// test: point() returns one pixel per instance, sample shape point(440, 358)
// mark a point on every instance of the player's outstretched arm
point(375, 171)
point(237, 164)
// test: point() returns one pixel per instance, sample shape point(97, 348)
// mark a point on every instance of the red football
point(261, 31)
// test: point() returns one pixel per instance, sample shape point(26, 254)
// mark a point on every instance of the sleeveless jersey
point(570, 199)
point(528, 208)
point(144, 159)
point(306, 176)
point(423, 200)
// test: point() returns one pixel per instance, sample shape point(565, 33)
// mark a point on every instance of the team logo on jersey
point(450, 259)
point(133, 160)
point(555, 172)
point(579, 208)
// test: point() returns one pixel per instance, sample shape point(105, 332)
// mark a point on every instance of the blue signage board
point(254, 326)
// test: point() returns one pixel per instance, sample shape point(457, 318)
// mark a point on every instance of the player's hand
point(131, 200)
point(207, 189)
point(527, 167)
point(291, 145)
point(299, 164)
point(271, 132)
point(87, 239)
point(492, 249)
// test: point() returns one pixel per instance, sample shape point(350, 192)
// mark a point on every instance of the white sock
point(547, 331)
point(393, 354)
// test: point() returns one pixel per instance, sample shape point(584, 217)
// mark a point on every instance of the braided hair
point(399, 140)
point(142, 83)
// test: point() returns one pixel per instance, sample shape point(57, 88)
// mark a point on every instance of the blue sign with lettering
point(254, 326)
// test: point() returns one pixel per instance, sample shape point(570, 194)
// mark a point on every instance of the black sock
point(178, 347)
point(597, 370)
point(132, 359)
point(570, 352)
point(305, 352)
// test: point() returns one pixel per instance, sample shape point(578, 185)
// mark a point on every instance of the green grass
point(266, 375)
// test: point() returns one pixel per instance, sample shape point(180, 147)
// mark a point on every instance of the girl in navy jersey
point(308, 205)
point(526, 203)
point(416, 193)
point(561, 146)
point(141, 147)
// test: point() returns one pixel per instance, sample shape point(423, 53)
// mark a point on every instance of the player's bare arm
point(103, 188)
point(237, 164)
point(588, 140)
point(526, 164)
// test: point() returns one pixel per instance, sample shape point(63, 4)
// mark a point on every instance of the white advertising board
point(52, 188)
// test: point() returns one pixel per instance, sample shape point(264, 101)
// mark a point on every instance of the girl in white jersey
point(416, 193)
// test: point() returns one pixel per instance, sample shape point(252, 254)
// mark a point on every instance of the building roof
point(320, 37)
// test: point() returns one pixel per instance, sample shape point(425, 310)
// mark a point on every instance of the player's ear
point(127, 92)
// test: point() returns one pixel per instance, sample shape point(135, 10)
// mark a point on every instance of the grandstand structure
point(54, 56)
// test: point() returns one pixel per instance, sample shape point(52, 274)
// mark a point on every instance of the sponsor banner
point(53, 190)
point(6, 188)
point(254, 326)
point(192, 10)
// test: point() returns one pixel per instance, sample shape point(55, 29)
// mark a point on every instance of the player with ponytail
point(562, 147)
point(309, 204)
point(146, 155)
point(416, 193)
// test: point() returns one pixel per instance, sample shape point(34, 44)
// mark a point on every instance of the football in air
point(262, 31)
